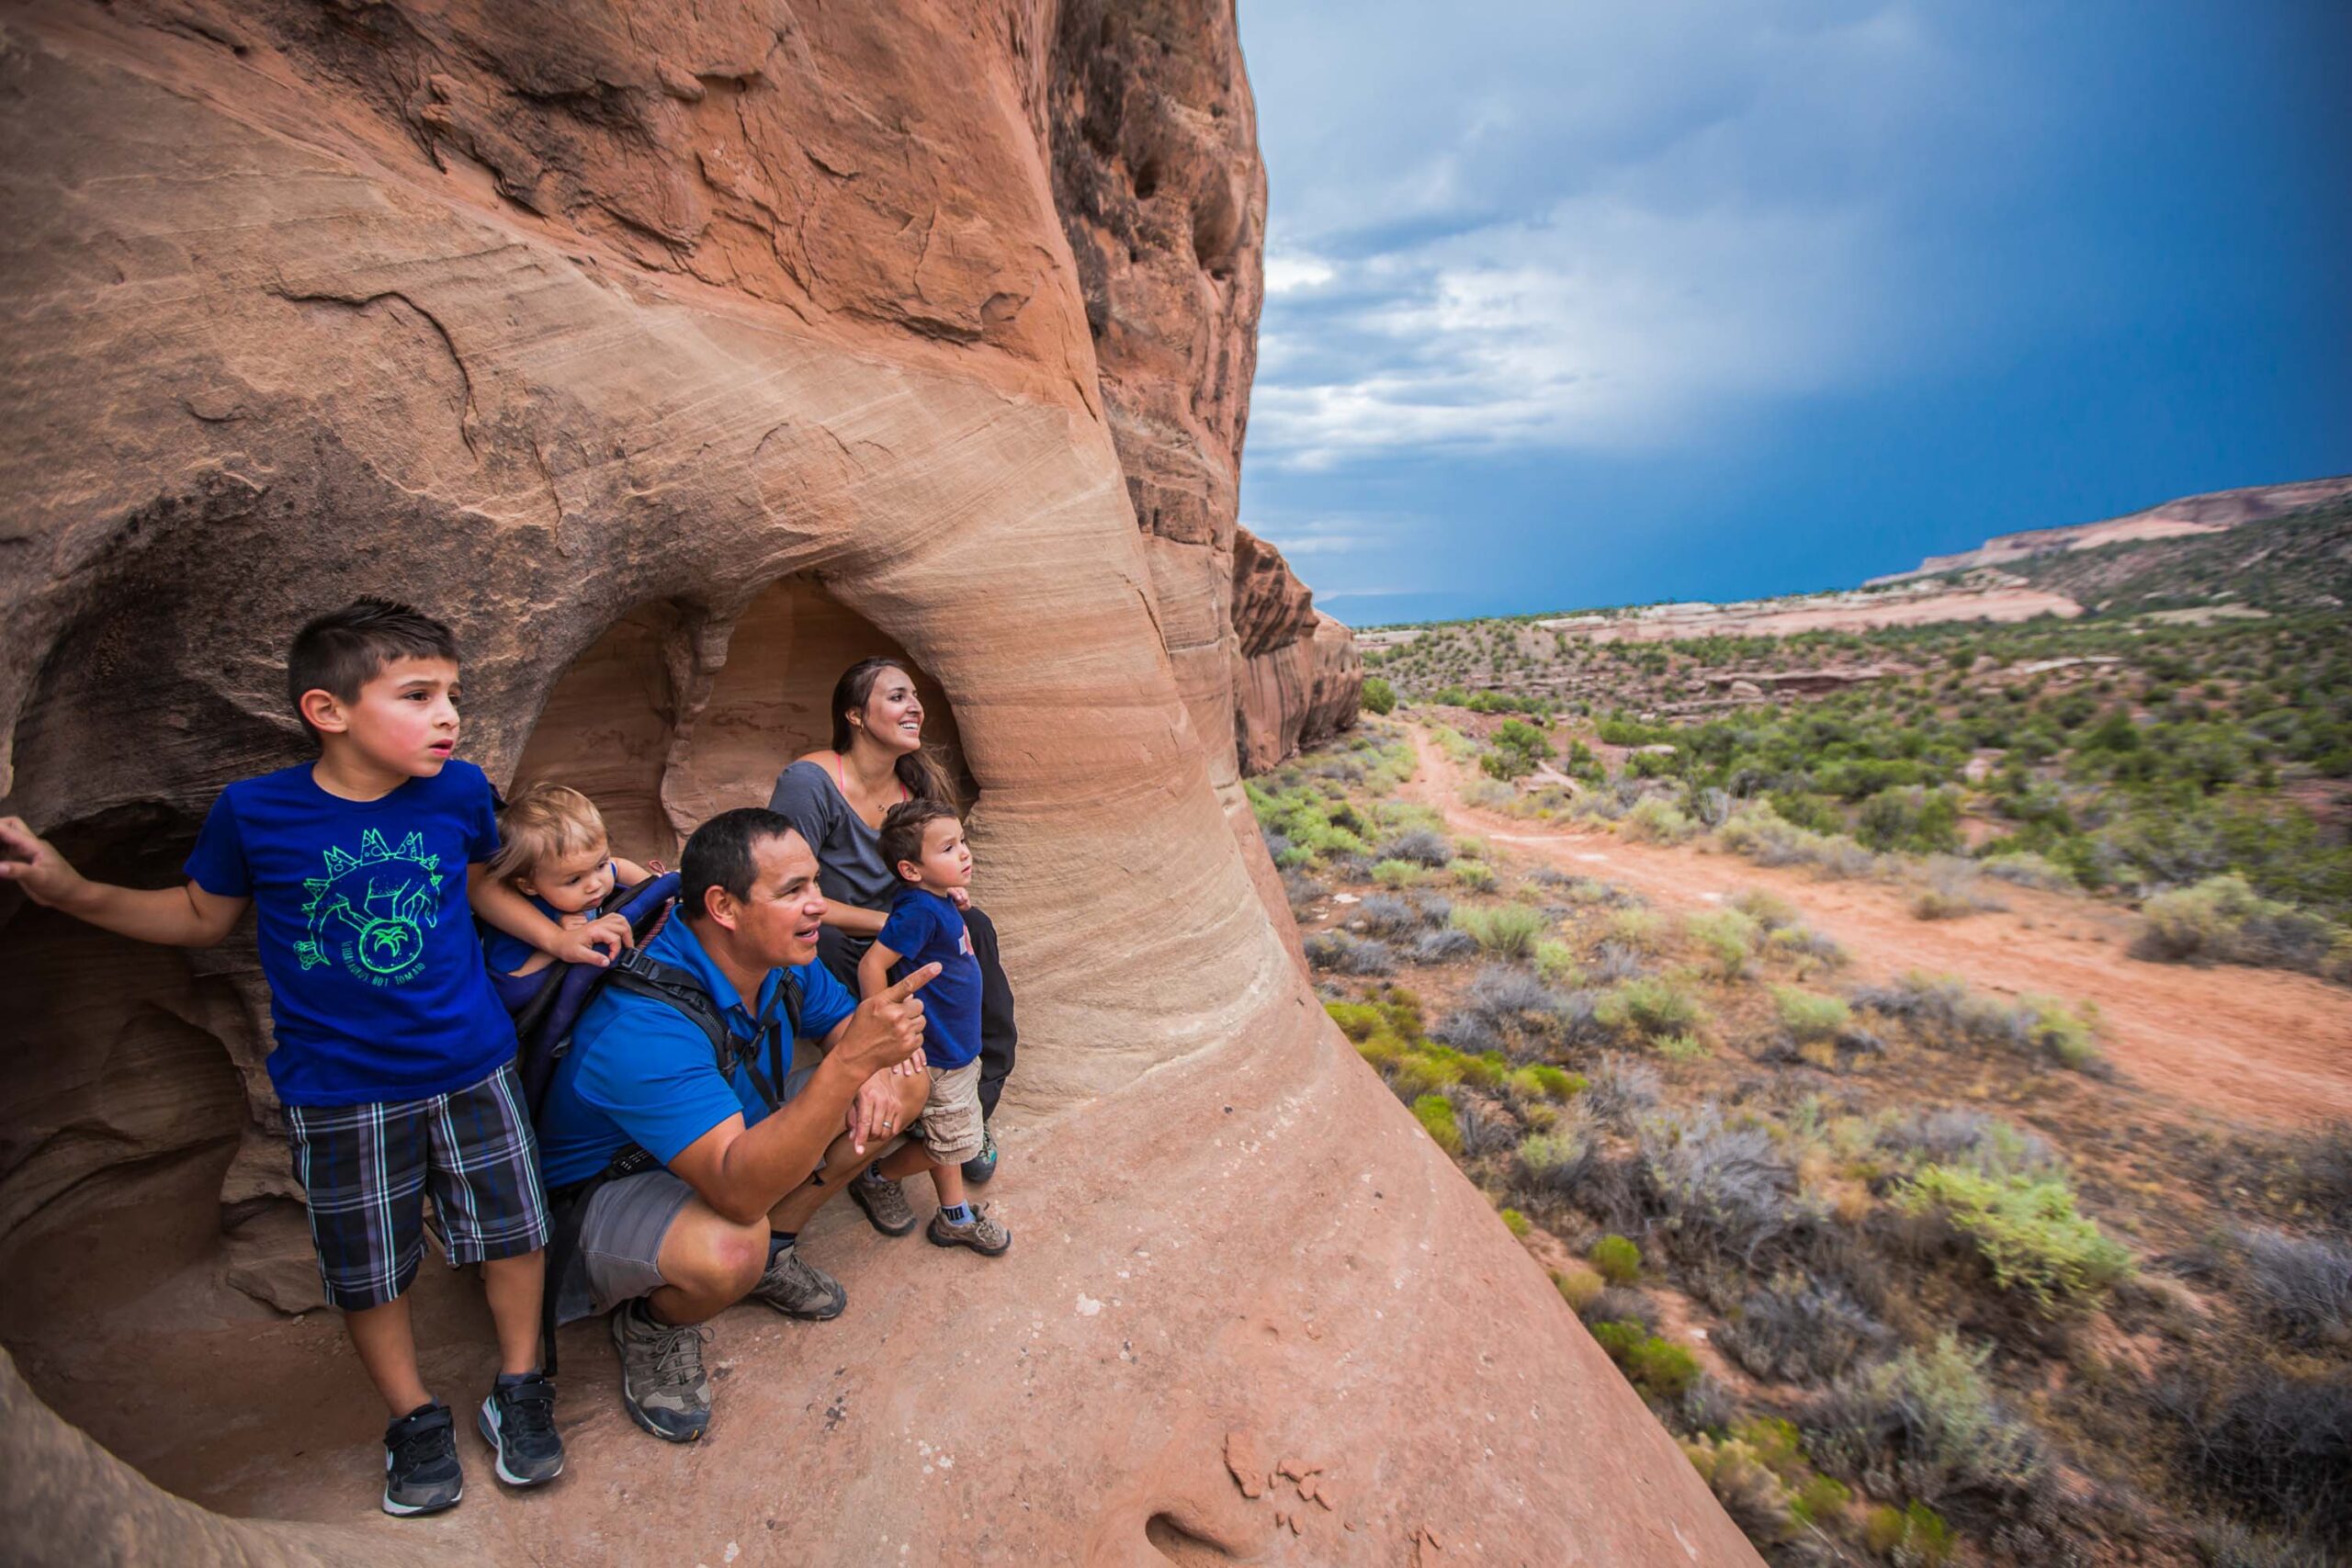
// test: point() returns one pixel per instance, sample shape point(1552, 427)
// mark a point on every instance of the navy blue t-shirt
point(924, 928)
point(375, 980)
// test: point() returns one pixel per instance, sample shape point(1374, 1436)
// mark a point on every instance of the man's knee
point(712, 1257)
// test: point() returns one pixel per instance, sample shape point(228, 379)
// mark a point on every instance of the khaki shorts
point(951, 1118)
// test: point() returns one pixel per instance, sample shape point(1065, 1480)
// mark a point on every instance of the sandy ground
point(2247, 1044)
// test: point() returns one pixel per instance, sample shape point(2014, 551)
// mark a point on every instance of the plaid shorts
point(366, 1169)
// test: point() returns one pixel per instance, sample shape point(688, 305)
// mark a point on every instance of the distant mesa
point(2216, 512)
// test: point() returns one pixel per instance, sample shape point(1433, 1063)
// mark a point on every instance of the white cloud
point(1605, 226)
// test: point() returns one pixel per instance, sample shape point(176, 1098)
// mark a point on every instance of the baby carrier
point(545, 1017)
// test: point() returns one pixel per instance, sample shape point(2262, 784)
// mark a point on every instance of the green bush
point(1728, 938)
point(1379, 697)
point(1507, 931)
point(1925, 1422)
point(1618, 1260)
point(2026, 1228)
point(1819, 1501)
point(1475, 876)
point(1916, 1537)
point(1636, 928)
point(1515, 1223)
point(1544, 1081)
point(1808, 1017)
point(1435, 1113)
point(1656, 821)
point(1661, 1369)
point(2223, 919)
point(1684, 1048)
point(1652, 1005)
point(1555, 963)
point(1398, 874)
point(1767, 909)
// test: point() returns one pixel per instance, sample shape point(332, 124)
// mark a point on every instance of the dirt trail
point(2251, 1044)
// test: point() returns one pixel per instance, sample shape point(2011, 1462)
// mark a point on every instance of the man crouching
point(683, 1148)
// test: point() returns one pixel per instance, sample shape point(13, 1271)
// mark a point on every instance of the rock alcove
point(588, 327)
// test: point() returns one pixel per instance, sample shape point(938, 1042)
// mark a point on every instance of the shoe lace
point(529, 1408)
point(423, 1441)
point(677, 1355)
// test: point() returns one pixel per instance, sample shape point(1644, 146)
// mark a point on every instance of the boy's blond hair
point(543, 823)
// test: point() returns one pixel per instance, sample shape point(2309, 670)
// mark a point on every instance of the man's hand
point(873, 1116)
point(960, 896)
point(33, 864)
point(887, 1028)
point(599, 941)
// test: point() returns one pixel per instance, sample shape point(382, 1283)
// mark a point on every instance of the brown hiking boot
point(982, 1234)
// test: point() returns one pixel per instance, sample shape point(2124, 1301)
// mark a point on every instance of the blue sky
point(1602, 303)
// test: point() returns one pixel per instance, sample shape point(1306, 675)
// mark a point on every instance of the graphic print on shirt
point(372, 910)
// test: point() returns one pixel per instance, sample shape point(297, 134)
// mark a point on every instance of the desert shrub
point(1620, 1089)
point(1767, 909)
point(1757, 1500)
point(1344, 954)
point(1808, 947)
point(1485, 1129)
point(2277, 1446)
point(1421, 846)
point(2026, 869)
point(1652, 1006)
point(1728, 937)
point(1910, 817)
point(1659, 821)
point(1659, 1368)
point(1916, 1537)
point(1924, 1423)
point(1682, 1047)
point(1435, 1113)
point(2026, 1230)
point(1515, 1222)
point(1577, 1289)
point(1800, 1329)
point(2222, 920)
point(1808, 1017)
point(1944, 1013)
point(1555, 1161)
point(1356, 1019)
point(1475, 876)
point(1950, 890)
point(1442, 944)
point(1614, 962)
point(1983, 1142)
point(1398, 874)
point(1379, 697)
point(2228, 1544)
point(1636, 928)
point(2323, 1173)
point(1507, 931)
point(1385, 915)
point(1758, 833)
point(1819, 1501)
point(1556, 964)
point(1488, 795)
point(1725, 1191)
point(1544, 1081)
point(1618, 1260)
point(1302, 891)
point(2303, 1286)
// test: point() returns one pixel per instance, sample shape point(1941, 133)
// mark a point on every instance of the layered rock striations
point(679, 355)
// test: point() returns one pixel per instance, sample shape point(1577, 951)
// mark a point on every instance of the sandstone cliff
point(679, 355)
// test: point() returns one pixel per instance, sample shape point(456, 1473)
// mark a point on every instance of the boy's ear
point(909, 871)
point(323, 709)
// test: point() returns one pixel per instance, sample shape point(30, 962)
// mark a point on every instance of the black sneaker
point(981, 1165)
point(518, 1421)
point(420, 1473)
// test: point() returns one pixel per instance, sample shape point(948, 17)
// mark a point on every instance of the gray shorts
point(618, 1257)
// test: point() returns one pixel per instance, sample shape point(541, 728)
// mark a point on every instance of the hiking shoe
point(420, 1473)
point(884, 1202)
point(663, 1383)
point(518, 1421)
point(981, 1233)
point(981, 1165)
point(797, 1288)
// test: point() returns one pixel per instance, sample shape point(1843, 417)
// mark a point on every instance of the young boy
point(922, 840)
point(393, 1059)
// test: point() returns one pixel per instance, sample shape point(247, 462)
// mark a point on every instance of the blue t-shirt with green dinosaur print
point(375, 980)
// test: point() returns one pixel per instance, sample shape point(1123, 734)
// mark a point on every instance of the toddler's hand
point(960, 896)
point(598, 941)
point(571, 922)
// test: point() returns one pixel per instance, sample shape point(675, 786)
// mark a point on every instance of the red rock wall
point(678, 354)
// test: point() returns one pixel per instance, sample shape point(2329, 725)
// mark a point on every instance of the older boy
point(393, 1058)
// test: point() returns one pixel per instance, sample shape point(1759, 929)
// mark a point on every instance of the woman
point(836, 799)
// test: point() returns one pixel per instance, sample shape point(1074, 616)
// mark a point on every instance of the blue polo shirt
point(640, 1072)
